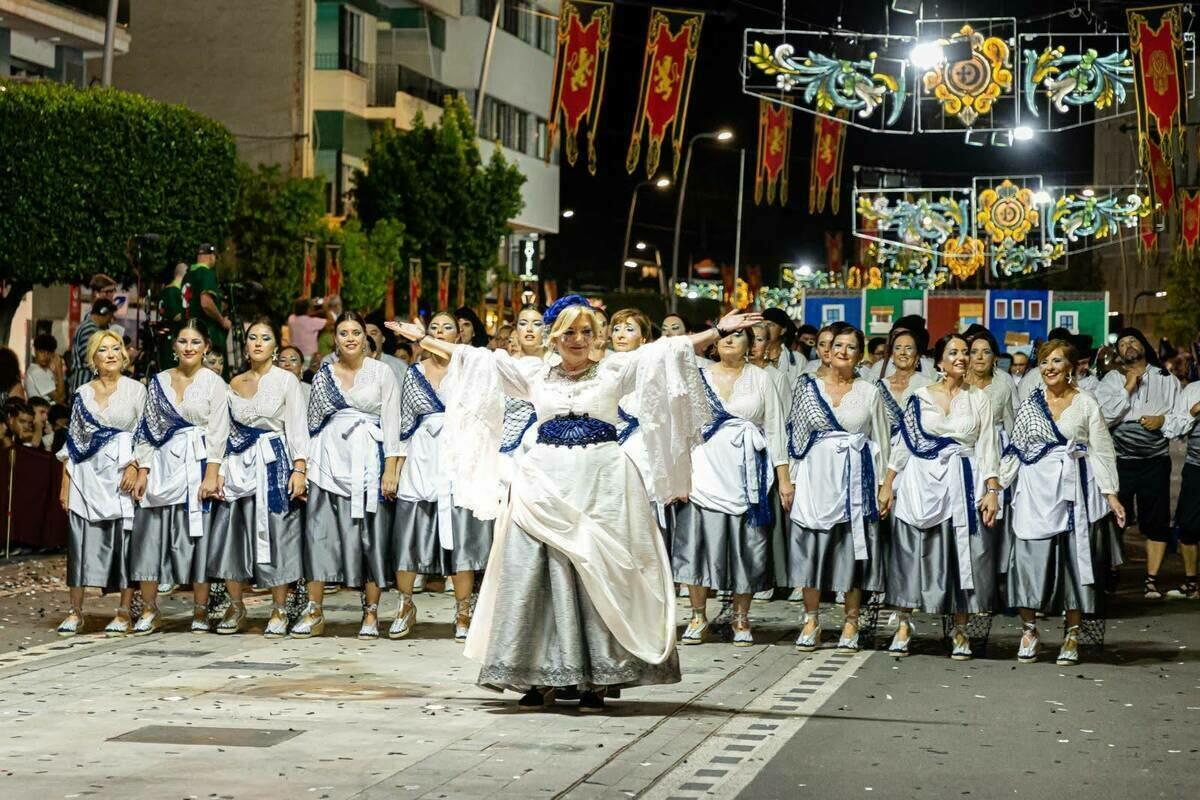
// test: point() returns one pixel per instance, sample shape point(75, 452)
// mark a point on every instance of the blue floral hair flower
point(560, 305)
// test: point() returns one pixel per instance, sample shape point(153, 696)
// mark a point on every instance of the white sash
point(362, 438)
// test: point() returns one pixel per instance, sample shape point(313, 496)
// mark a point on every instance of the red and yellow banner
point(825, 168)
point(580, 67)
point(309, 272)
point(333, 272)
point(414, 288)
point(443, 284)
point(1156, 47)
point(1147, 239)
point(667, 69)
point(834, 257)
point(460, 297)
point(1189, 219)
point(1162, 176)
point(774, 150)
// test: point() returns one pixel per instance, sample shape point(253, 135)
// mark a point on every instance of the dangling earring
point(941, 375)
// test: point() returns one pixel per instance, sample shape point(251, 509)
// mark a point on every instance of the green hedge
point(83, 170)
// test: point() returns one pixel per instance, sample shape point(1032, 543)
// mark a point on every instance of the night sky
point(588, 252)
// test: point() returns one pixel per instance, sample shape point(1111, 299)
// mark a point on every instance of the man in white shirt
point(46, 375)
point(1138, 400)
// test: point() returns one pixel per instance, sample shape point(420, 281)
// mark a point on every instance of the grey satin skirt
point(1043, 574)
point(415, 546)
point(546, 632)
point(922, 569)
point(338, 549)
point(232, 550)
point(98, 553)
point(825, 559)
point(720, 551)
point(163, 551)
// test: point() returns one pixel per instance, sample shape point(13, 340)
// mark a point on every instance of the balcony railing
point(387, 79)
point(343, 61)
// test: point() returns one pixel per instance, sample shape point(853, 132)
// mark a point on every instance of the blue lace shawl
point(519, 417)
point(242, 438)
point(630, 425)
point(926, 446)
point(417, 401)
point(86, 435)
point(161, 420)
point(324, 400)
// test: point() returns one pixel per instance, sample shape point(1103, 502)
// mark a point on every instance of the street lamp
point(718, 136)
point(661, 183)
point(1133, 311)
point(568, 213)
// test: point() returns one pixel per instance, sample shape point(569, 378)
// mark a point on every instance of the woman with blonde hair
point(99, 473)
point(577, 596)
point(179, 447)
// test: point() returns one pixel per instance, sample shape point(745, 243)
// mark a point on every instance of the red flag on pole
point(825, 171)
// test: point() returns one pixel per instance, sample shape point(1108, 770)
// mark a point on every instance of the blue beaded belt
point(576, 431)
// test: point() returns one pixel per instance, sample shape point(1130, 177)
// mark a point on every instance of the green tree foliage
point(82, 171)
point(453, 206)
point(367, 262)
point(1181, 321)
point(275, 213)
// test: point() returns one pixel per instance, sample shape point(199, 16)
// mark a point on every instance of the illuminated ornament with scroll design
point(916, 223)
point(1007, 212)
point(968, 88)
point(1077, 80)
point(1076, 216)
point(831, 84)
point(964, 256)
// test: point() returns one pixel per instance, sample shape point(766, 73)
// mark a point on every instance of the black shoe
point(536, 699)
point(590, 702)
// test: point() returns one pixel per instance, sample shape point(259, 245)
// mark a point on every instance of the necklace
point(585, 374)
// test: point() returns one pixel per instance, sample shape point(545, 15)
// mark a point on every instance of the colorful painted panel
point(823, 309)
point(952, 312)
point(1087, 316)
point(882, 307)
point(1018, 316)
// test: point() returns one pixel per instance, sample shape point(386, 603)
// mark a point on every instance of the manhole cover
point(219, 737)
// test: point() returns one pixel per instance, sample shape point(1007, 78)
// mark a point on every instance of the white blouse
point(724, 472)
point(277, 406)
point(833, 470)
point(343, 456)
point(95, 483)
point(1001, 393)
point(175, 468)
point(1064, 490)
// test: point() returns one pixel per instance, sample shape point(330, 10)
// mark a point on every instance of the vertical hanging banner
point(1162, 177)
point(309, 272)
point(460, 298)
point(443, 284)
point(774, 150)
point(1147, 240)
point(333, 271)
point(825, 170)
point(833, 251)
point(414, 288)
point(667, 69)
point(1189, 220)
point(1156, 45)
point(580, 66)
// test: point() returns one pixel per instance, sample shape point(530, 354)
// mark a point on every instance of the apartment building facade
point(303, 83)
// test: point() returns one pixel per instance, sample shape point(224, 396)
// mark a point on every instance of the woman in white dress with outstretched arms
point(578, 594)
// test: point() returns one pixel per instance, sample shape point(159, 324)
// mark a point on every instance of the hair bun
point(560, 305)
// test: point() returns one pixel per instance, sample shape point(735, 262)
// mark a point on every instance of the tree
point(275, 213)
point(1181, 321)
point(84, 170)
point(433, 181)
point(368, 262)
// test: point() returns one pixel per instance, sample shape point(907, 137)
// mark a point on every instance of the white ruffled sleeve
point(987, 446)
point(1113, 399)
point(389, 414)
point(1101, 452)
point(774, 419)
point(216, 428)
point(672, 411)
point(295, 418)
point(880, 430)
point(475, 424)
